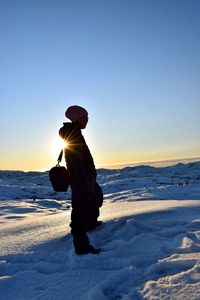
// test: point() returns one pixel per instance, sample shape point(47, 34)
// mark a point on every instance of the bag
point(59, 176)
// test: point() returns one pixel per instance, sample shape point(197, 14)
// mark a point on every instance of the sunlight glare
point(57, 145)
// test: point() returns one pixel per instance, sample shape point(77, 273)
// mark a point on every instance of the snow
point(150, 237)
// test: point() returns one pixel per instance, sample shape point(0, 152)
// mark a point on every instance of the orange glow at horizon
point(44, 156)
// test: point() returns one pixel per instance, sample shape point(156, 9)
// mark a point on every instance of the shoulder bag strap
point(60, 157)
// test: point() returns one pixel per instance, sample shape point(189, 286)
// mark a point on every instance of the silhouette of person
point(87, 195)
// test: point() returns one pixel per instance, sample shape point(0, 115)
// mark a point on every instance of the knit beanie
point(75, 112)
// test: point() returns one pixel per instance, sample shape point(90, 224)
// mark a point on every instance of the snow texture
point(150, 237)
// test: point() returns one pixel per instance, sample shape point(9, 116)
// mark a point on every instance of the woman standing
point(87, 195)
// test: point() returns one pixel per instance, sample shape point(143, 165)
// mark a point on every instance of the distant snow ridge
point(28, 185)
point(146, 182)
point(135, 183)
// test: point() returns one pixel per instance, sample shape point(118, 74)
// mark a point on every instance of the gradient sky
point(134, 65)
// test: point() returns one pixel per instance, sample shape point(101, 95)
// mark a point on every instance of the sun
point(57, 145)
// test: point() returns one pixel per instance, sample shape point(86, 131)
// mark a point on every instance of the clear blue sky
point(134, 65)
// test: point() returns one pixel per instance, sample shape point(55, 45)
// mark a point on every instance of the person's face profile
point(82, 122)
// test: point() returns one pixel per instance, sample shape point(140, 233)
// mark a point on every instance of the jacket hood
point(69, 130)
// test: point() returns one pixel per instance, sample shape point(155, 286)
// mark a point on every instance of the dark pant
point(81, 241)
point(85, 212)
point(78, 230)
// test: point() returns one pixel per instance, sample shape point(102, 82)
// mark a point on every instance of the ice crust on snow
point(150, 237)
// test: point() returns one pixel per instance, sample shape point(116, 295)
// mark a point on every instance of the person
point(87, 196)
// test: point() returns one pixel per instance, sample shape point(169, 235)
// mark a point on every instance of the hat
point(75, 112)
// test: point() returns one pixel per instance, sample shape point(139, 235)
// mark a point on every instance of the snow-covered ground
point(150, 237)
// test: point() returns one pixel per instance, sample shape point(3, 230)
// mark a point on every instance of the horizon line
point(165, 162)
point(154, 162)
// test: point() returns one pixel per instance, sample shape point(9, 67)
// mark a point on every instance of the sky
point(134, 65)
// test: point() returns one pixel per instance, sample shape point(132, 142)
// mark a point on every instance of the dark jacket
point(86, 193)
